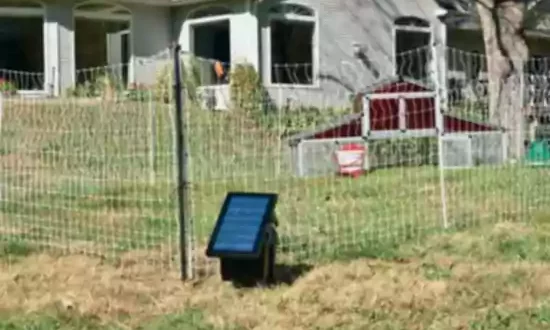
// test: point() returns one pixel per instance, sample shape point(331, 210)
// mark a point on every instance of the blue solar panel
point(239, 227)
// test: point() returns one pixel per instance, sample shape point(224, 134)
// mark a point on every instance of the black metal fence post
point(182, 178)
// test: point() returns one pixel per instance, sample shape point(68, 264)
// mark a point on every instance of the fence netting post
point(186, 255)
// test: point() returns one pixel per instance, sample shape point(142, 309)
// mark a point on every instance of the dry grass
point(445, 288)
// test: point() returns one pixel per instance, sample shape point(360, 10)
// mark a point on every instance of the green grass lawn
point(85, 178)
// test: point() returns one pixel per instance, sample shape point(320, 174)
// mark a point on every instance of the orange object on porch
point(218, 68)
point(351, 159)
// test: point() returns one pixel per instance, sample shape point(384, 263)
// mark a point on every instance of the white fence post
point(1, 110)
point(1, 117)
point(440, 126)
point(152, 139)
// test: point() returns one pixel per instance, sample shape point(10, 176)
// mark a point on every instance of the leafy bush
point(105, 86)
point(7, 87)
point(163, 90)
point(296, 120)
point(138, 93)
point(249, 96)
point(403, 152)
point(163, 85)
point(246, 89)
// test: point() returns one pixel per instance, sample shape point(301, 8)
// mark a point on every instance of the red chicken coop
point(397, 111)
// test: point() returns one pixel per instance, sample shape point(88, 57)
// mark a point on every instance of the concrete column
point(265, 47)
point(150, 42)
point(245, 38)
point(59, 47)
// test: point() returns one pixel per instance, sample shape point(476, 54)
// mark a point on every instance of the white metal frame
point(299, 159)
point(365, 127)
point(440, 131)
point(402, 113)
point(469, 136)
point(291, 17)
point(402, 132)
point(458, 137)
point(405, 134)
point(402, 95)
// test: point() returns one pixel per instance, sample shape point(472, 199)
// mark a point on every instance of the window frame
point(207, 13)
point(193, 22)
point(292, 17)
point(398, 26)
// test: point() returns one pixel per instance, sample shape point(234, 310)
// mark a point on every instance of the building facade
point(317, 51)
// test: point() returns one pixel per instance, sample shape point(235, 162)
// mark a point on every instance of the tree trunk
point(502, 23)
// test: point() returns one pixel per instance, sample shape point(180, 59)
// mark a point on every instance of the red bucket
point(351, 159)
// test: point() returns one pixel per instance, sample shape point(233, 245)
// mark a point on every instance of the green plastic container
point(538, 153)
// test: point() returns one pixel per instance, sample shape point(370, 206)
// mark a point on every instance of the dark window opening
point(22, 52)
point(93, 45)
point(212, 48)
point(412, 53)
point(292, 52)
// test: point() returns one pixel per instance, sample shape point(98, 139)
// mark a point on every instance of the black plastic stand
point(251, 272)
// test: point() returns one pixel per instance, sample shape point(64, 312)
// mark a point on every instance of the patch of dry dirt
point(326, 297)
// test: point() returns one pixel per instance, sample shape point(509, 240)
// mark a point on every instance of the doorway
point(22, 52)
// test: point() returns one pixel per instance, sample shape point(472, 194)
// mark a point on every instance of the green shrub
point(81, 90)
point(106, 86)
point(246, 89)
point(138, 93)
point(190, 75)
point(7, 87)
point(163, 84)
point(403, 152)
point(296, 120)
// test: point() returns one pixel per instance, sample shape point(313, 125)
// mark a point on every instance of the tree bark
point(502, 24)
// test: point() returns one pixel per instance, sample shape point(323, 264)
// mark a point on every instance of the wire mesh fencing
point(423, 173)
point(94, 171)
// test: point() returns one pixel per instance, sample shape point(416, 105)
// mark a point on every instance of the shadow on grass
point(283, 274)
point(288, 274)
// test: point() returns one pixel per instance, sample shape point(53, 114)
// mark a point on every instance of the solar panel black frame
point(267, 217)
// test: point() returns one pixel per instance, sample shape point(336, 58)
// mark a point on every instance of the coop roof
point(352, 122)
point(395, 84)
point(453, 124)
point(351, 125)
